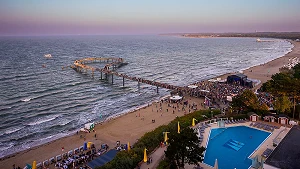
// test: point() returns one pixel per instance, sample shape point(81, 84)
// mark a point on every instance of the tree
point(246, 101)
point(286, 83)
point(184, 148)
point(296, 70)
point(282, 104)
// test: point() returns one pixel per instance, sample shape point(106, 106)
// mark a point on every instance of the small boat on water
point(259, 40)
point(48, 56)
point(26, 100)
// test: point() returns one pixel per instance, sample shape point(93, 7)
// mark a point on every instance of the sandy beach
point(130, 127)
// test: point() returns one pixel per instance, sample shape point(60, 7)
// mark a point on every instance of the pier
point(109, 70)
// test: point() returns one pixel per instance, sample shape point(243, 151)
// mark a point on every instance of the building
point(237, 78)
point(269, 118)
point(286, 155)
point(253, 117)
point(283, 119)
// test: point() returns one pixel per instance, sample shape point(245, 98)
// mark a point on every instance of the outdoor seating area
point(267, 152)
point(200, 131)
point(264, 126)
point(73, 158)
point(235, 121)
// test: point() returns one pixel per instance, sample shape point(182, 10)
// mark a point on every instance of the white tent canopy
point(192, 86)
point(176, 97)
point(204, 91)
point(89, 126)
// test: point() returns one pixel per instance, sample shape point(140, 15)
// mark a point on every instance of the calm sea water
point(39, 104)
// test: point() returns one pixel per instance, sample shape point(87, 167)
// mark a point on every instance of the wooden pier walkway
point(109, 69)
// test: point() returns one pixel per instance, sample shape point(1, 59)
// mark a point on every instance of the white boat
point(48, 56)
point(26, 100)
point(259, 40)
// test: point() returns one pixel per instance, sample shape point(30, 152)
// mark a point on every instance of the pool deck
point(268, 143)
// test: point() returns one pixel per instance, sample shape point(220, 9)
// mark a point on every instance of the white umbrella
point(175, 97)
point(216, 164)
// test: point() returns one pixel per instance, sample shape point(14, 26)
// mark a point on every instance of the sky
point(127, 17)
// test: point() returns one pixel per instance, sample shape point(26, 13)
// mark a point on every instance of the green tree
point(285, 84)
point(282, 104)
point(296, 71)
point(246, 101)
point(184, 148)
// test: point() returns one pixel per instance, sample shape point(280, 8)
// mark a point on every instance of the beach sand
point(130, 127)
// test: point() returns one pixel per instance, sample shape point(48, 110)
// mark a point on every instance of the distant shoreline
point(276, 35)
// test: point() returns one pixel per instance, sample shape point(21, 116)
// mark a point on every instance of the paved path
point(156, 158)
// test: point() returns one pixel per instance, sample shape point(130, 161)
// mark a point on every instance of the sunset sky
point(106, 17)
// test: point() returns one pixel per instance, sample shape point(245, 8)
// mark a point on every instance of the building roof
point(283, 115)
point(103, 159)
point(241, 75)
point(286, 155)
point(251, 113)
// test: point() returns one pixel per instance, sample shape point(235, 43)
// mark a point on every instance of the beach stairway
point(233, 144)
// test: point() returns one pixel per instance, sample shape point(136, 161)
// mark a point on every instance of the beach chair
point(39, 166)
point(251, 124)
point(81, 149)
point(46, 163)
point(58, 158)
point(267, 152)
point(52, 160)
point(272, 129)
point(65, 155)
point(259, 125)
point(76, 150)
point(70, 153)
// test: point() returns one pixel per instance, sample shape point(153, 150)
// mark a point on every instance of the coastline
point(130, 127)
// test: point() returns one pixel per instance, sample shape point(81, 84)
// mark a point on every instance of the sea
point(41, 102)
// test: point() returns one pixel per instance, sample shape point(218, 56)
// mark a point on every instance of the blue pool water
point(232, 146)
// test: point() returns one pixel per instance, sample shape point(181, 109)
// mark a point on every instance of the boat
point(48, 56)
point(259, 40)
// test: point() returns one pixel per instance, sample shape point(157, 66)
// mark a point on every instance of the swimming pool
point(232, 146)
